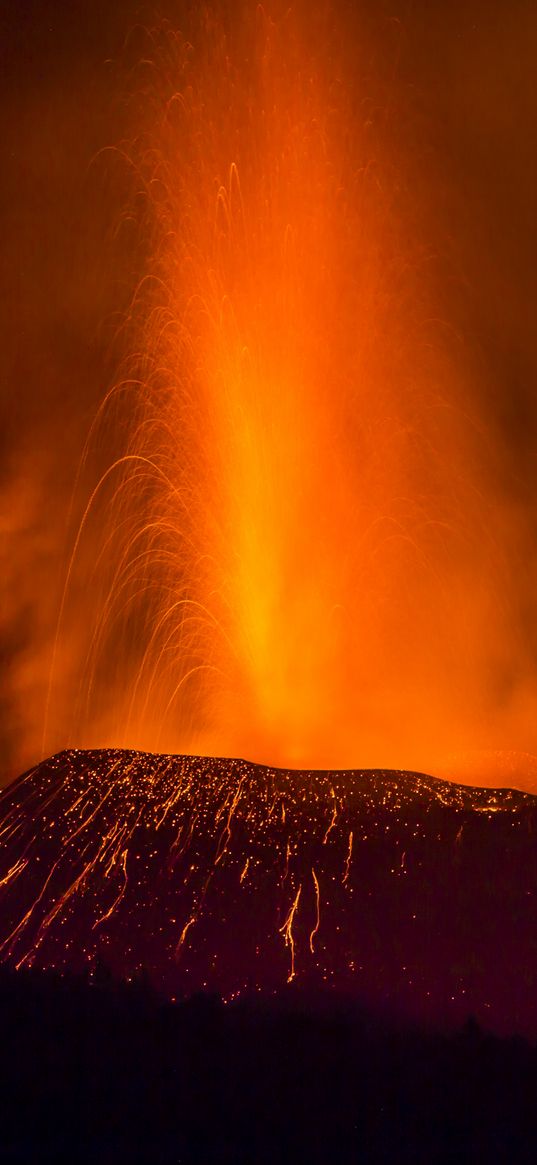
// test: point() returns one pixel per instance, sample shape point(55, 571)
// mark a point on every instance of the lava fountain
point(282, 556)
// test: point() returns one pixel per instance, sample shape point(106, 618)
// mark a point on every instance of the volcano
point(395, 889)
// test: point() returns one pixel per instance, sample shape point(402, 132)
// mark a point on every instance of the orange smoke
point(296, 561)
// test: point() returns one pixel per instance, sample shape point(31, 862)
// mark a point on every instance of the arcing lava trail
point(393, 888)
point(286, 535)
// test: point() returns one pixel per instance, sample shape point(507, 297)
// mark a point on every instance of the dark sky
point(69, 263)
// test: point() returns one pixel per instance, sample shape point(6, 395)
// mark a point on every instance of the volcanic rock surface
point(394, 889)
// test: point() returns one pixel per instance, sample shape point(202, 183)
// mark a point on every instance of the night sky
point(71, 258)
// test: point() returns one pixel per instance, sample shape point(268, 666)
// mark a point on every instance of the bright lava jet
point(287, 550)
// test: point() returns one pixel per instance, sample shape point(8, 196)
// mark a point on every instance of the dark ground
point(93, 1070)
point(409, 894)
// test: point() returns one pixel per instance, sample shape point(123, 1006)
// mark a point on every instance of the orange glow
point(296, 562)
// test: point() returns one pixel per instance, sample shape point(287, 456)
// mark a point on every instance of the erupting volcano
point(285, 544)
point(289, 553)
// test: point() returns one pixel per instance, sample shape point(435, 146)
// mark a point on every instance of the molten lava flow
point(288, 568)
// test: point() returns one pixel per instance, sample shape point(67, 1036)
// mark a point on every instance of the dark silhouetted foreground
point(99, 1071)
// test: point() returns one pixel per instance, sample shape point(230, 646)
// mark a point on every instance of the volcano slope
point(400, 891)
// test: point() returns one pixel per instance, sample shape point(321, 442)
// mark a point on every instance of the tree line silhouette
point(93, 1070)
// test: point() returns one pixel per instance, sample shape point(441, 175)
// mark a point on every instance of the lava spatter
point(394, 888)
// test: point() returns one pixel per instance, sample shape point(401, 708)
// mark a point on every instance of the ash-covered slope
point(395, 888)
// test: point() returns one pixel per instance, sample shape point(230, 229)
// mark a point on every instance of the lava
point(395, 889)
point(291, 556)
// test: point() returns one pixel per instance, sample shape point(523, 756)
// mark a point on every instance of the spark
point(184, 932)
point(287, 931)
point(15, 870)
point(226, 833)
point(117, 900)
point(348, 860)
point(287, 860)
point(318, 910)
point(333, 818)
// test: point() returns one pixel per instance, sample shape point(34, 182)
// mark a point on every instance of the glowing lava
point(292, 553)
point(393, 888)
